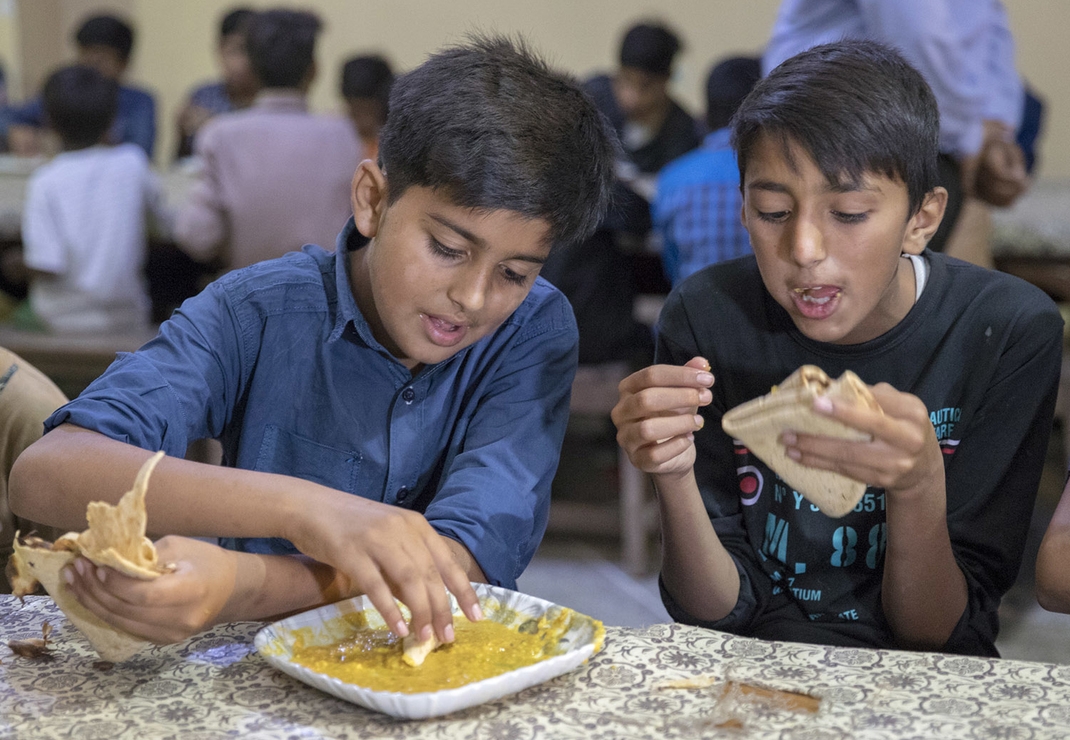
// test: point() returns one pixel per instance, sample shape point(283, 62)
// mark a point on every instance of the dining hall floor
point(583, 572)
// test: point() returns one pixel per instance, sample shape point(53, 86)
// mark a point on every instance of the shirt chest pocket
point(287, 453)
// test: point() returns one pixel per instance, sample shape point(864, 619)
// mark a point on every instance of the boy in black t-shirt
point(837, 156)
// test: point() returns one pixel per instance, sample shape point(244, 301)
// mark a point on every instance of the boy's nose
point(807, 243)
point(469, 290)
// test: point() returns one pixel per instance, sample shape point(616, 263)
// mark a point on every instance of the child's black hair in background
point(106, 30)
point(80, 105)
point(236, 21)
point(368, 76)
point(856, 107)
point(281, 45)
point(492, 127)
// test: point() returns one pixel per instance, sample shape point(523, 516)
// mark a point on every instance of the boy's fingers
point(903, 422)
point(657, 428)
point(660, 402)
point(660, 453)
point(140, 621)
point(660, 376)
point(457, 582)
point(441, 609)
point(369, 580)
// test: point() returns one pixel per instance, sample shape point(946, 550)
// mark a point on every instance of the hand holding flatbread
point(790, 406)
point(116, 539)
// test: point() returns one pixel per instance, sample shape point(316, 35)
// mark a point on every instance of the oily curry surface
point(371, 656)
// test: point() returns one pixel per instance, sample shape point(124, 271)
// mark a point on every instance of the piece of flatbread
point(759, 423)
point(115, 538)
point(416, 652)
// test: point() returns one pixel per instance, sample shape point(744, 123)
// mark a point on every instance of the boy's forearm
point(924, 592)
point(57, 476)
point(271, 586)
point(696, 568)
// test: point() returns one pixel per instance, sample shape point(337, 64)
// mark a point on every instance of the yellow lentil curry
point(371, 656)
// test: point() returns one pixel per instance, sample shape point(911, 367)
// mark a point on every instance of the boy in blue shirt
point(391, 413)
point(104, 43)
point(837, 153)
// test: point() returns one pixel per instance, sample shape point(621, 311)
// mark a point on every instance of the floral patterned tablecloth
point(215, 685)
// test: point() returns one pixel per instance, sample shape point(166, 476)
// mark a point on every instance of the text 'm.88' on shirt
point(980, 348)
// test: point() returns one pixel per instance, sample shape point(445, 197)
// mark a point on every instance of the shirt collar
point(349, 240)
point(281, 100)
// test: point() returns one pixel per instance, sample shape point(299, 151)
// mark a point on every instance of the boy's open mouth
point(442, 331)
point(818, 301)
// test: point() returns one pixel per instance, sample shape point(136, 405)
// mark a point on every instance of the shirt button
point(403, 493)
point(408, 395)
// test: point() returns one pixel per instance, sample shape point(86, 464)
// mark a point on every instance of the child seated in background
point(391, 412)
point(837, 152)
point(84, 226)
point(104, 43)
point(366, 82)
point(236, 89)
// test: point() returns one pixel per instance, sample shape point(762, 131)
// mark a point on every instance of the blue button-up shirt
point(277, 362)
point(696, 210)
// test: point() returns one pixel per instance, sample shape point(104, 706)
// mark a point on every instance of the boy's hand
point(903, 457)
point(388, 552)
point(657, 415)
point(169, 608)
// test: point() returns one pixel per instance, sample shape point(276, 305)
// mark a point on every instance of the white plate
point(275, 642)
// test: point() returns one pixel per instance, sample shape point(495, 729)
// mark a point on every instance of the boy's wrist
point(668, 483)
point(247, 590)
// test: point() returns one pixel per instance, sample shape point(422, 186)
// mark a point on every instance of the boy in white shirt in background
point(87, 213)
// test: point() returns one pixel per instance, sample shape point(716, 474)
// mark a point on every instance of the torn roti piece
point(759, 423)
point(416, 652)
point(116, 539)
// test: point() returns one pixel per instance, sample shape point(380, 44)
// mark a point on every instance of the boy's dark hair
point(106, 30)
point(490, 126)
point(855, 106)
point(235, 21)
point(281, 45)
point(650, 47)
point(367, 76)
point(80, 104)
point(729, 82)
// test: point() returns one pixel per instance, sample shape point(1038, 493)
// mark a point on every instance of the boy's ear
point(925, 222)
point(368, 197)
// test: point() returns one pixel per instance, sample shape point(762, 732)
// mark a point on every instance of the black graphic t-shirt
point(980, 348)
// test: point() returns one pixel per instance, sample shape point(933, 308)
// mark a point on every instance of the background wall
point(175, 43)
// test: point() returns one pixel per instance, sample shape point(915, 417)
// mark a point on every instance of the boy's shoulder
point(136, 96)
point(305, 278)
point(974, 289)
point(67, 164)
point(730, 280)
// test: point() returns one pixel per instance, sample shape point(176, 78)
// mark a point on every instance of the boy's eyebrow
point(479, 241)
point(769, 185)
point(843, 186)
